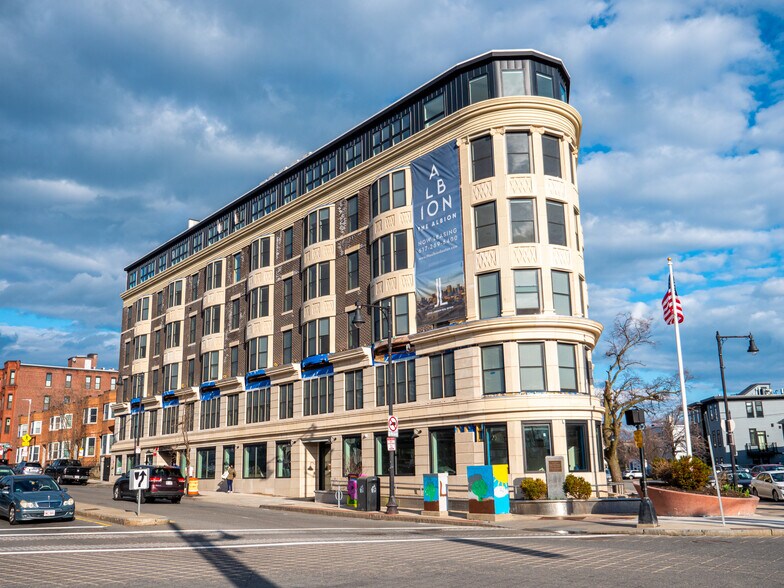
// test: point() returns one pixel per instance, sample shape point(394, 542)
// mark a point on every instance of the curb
point(118, 517)
point(378, 516)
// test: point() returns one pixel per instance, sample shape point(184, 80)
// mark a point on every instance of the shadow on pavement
point(234, 571)
point(507, 548)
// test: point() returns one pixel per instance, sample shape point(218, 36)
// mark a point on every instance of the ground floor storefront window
point(442, 451)
point(352, 455)
point(283, 459)
point(254, 460)
point(537, 441)
point(496, 445)
point(577, 446)
point(404, 455)
point(205, 463)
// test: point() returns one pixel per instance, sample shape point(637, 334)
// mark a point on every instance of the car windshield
point(32, 464)
point(778, 477)
point(35, 485)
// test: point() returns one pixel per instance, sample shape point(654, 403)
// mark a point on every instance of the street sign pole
point(138, 501)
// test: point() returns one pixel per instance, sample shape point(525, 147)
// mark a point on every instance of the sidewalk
point(756, 526)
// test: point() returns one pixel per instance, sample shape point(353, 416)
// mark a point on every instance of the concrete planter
point(559, 508)
point(674, 503)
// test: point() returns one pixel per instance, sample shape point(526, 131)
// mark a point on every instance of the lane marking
point(98, 523)
point(248, 531)
point(95, 526)
point(298, 544)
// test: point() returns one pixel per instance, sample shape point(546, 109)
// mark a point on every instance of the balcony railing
point(762, 449)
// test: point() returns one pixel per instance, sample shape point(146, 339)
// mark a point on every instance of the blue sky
point(121, 120)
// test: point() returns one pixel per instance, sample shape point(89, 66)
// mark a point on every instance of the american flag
point(669, 315)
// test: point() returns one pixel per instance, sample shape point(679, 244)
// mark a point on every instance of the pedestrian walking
point(231, 473)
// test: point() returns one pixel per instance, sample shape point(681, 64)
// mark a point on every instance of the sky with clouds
point(119, 120)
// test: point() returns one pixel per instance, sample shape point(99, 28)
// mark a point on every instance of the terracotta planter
point(673, 503)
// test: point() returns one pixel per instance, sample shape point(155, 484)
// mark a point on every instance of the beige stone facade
point(254, 408)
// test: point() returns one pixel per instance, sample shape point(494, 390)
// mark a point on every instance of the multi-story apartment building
point(28, 393)
point(456, 208)
point(758, 414)
point(79, 429)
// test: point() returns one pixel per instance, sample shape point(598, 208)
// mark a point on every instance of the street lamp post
point(720, 339)
point(358, 320)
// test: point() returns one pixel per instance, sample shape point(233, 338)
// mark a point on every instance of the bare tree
point(624, 388)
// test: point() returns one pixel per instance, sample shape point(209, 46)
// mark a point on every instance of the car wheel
point(116, 493)
point(12, 515)
point(147, 499)
point(775, 496)
point(176, 500)
point(59, 480)
point(754, 492)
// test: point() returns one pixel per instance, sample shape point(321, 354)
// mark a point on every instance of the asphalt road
point(214, 544)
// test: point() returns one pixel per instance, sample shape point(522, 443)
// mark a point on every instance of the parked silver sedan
point(769, 485)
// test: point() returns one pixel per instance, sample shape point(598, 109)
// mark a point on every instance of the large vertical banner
point(438, 238)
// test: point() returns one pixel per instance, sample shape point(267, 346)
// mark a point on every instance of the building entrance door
point(324, 478)
point(107, 469)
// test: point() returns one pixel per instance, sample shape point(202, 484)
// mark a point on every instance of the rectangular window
point(352, 154)
point(198, 240)
point(544, 85)
point(259, 302)
point(159, 297)
point(286, 401)
point(232, 410)
point(192, 331)
point(194, 287)
point(403, 382)
point(316, 281)
point(577, 447)
point(48, 380)
point(235, 361)
point(442, 451)
point(442, 375)
point(153, 431)
point(391, 133)
point(257, 405)
point(257, 353)
point(750, 410)
point(214, 275)
point(496, 445)
point(551, 156)
point(489, 295)
point(318, 396)
point(139, 347)
point(518, 153)
point(316, 339)
point(512, 82)
point(485, 225)
point(47, 402)
point(538, 445)
point(254, 462)
point(482, 158)
point(317, 227)
point(209, 366)
point(352, 270)
point(527, 300)
point(88, 381)
point(212, 319)
point(434, 110)
point(260, 253)
point(205, 463)
point(562, 293)
point(556, 223)
point(171, 376)
point(283, 459)
point(288, 243)
point(89, 416)
point(97, 382)
point(172, 334)
point(209, 417)
point(68, 379)
point(171, 420)
point(353, 385)
point(758, 407)
point(523, 221)
point(352, 455)
point(567, 368)
point(191, 372)
point(493, 370)
point(352, 206)
point(287, 295)
point(478, 89)
point(235, 314)
point(237, 267)
point(156, 345)
point(404, 456)
point(532, 367)
point(353, 335)
point(287, 346)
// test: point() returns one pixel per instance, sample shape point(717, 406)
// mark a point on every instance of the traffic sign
point(26, 440)
point(392, 425)
point(138, 479)
point(638, 438)
point(391, 443)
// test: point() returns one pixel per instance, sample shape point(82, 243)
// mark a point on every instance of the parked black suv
point(165, 482)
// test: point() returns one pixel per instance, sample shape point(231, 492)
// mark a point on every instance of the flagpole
point(686, 432)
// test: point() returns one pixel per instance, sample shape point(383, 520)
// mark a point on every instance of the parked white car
point(769, 485)
point(632, 474)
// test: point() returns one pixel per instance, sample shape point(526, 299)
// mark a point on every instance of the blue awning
point(169, 399)
point(254, 374)
point(315, 361)
point(204, 385)
point(209, 394)
point(136, 401)
point(257, 383)
point(319, 371)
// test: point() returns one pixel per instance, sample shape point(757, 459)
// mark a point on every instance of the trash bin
point(368, 491)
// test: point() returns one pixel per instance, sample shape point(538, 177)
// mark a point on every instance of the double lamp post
point(357, 320)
